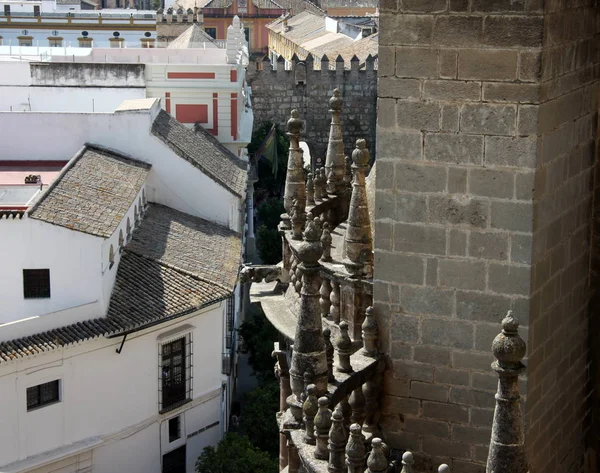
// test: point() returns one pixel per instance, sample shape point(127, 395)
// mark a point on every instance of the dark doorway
point(174, 462)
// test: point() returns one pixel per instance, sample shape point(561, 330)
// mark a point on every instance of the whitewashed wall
point(112, 399)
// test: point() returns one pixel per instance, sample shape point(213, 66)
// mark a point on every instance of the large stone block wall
point(559, 386)
point(471, 94)
point(276, 92)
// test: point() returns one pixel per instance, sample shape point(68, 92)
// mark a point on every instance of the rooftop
point(166, 271)
point(193, 37)
point(203, 151)
point(92, 193)
point(21, 181)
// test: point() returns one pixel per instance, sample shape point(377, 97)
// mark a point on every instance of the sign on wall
point(242, 6)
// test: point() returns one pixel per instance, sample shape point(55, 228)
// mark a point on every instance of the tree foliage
point(235, 454)
point(258, 336)
point(269, 185)
point(258, 421)
point(268, 241)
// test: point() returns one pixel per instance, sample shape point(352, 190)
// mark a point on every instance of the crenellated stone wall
point(487, 115)
point(276, 92)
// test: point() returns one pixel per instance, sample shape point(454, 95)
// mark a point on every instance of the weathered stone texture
point(486, 130)
point(274, 94)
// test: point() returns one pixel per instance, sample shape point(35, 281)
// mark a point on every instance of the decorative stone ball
point(408, 458)
point(508, 347)
point(336, 101)
point(443, 468)
point(360, 155)
point(294, 124)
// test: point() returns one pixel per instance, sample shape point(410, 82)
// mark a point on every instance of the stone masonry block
point(458, 210)
point(395, 386)
point(502, 92)
point(417, 62)
point(401, 351)
point(487, 245)
point(488, 119)
point(524, 185)
point(471, 435)
point(513, 31)
point(419, 178)
point(462, 274)
point(528, 121)
point(405, 328)
point(386, 115)
point(384, 235)
point(483, 417)
point(424, 6)
point(470, 397)
point(419, 239)
point(451, 90)
point(457, 180)
point(462, 31)
point(484, 336)
point(485, 381)
point(453, 148)
point(509, 279)
point(513, 216)
point(446, 448)
point(430, 428)
point(386, 181)
point(454, 377)
point(399, 88)
point(428, 391)
point(426, 300)
point(410, 208)
point(433, 355)
point(431, 272)
point(444, 411)
point(416, 115)
point(498, 6)
point(521, 248)
point(459, 5)
point(397, 144)
point(509, 151)
point(481, 307)
point(448, 63)
point(393, 404)
point(387, 264)
point(450, 114)
point(457, 242)
point(491, 183)
point(412, 371)
point(530, 65)
point(447, 333)
point(387, 56)
point(407, 30)
point(475, 361)
point(487, 64)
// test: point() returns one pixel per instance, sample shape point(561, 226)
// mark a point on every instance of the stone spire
point(295, 187)
point(507, 448)
point(335, 160)
point(358, 240)
point(309, 344)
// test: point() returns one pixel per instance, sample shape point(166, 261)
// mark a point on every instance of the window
point(6, 10)
point(128, 229)
point(174, 429)
point(36, 10)
point(42, 395)
point(174, 461)
point(85, 42)
point(36, 283)
point(176, 369)
point(55, 42)
point(120, 238)
point(136, 215)
point(25, 41)
point(111, 257)
point(212, 32)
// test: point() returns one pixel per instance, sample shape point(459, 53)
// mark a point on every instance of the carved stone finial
point(322, 426)
point(326, 240)
point(377, 462)
point(357, 403)
point(310, 190)
point(358, 239)
point(334, 161)
point(344, 349)
point(348, 171)
point(294, 199)
point(507, 448)
point(369, 334)
point(355, 450)
point(294, 124)
point(309, 410)
point(297, 220)
point(308, 379)
point(407, 462)
point(324, 301)
point(443, 468)
point(329, 350)
point(337, 442)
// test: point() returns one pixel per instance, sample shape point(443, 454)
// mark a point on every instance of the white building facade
point(116, 331)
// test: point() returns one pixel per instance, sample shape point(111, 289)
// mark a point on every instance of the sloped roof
point(203, 151)
point(191, 38)
point(265, 4)
point(92, 193)
point(166, 271)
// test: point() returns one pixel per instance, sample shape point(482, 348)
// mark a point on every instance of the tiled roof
point(203, 151)
point(166, 271)
point(266, 4)
point(92, 193)
point(193, 37)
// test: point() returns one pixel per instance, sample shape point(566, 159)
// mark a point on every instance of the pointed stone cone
point(355, 450)
point(335, 159)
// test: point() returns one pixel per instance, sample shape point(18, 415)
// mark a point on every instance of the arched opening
point(128, 229)
point(111, 257)
point(121, 238)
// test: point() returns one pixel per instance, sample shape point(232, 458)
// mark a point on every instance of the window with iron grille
point(176, 373)
point(230, 313)
point(36, 283)
point(42, 395)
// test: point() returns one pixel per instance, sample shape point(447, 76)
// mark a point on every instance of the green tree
point(258, 336)
point(258, 420)
point(268, 240)
point(235, 454)
point(269, 185)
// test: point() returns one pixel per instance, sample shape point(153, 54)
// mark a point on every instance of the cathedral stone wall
point(276, 92)
point(485, 138)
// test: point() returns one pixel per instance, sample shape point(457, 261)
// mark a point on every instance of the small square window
point(42, 395)
point(55, 43)
point(174, 429)
point(36, 283)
